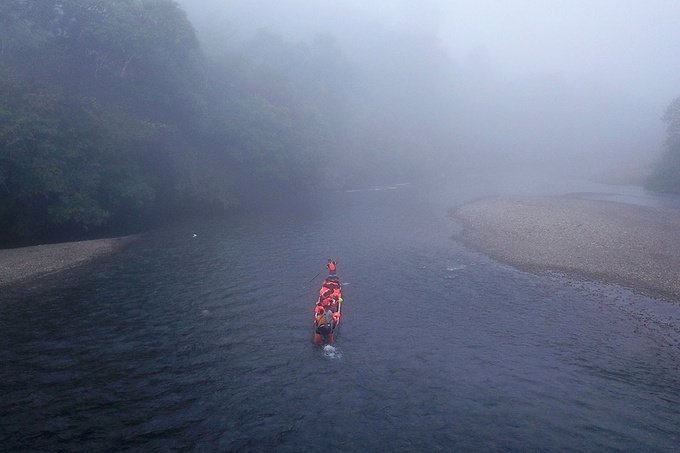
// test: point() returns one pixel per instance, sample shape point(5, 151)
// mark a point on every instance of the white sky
point(631, 46)
point(619, 59)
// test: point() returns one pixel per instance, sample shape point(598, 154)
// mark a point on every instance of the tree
point(666, 177)
point(110, 115)
point(95, 97)
point(65, 165)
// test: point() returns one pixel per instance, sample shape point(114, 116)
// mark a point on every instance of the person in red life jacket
point(336, 317)
point(326, 293)
point(332, 267)
point(326, 302)
point(330, 304)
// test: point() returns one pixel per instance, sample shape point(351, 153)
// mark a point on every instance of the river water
point(204, 343)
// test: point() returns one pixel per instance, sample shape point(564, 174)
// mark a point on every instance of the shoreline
point(24, 264)
point(634, 246)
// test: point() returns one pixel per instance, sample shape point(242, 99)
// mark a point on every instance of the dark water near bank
point(183, 343)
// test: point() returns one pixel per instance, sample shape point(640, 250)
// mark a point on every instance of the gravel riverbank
point(25, 263)
point(636, 246)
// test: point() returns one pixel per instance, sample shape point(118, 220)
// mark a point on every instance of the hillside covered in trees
point(112, 118)
point(115, 117)
point(666, 176)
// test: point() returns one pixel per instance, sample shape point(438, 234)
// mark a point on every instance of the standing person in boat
point(332, 267)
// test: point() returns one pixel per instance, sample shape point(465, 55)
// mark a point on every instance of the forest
point(113, 118)
point(666, 176)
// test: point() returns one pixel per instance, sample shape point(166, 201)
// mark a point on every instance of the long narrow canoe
point(328, 310)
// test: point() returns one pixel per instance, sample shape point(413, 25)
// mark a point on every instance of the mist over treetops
point(116, 116)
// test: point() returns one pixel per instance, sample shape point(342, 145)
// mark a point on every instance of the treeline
point(111, 117)
point(666, 176)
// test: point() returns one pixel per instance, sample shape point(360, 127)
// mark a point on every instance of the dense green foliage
point(666, 177)
point(112, 117)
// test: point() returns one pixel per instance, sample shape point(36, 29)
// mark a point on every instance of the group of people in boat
point(327, 310)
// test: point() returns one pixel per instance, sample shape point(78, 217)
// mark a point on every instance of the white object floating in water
point(194, 235)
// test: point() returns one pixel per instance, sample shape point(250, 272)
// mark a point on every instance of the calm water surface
point(183, 343)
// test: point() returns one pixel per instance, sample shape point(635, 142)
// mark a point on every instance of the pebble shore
point(26, 263)
point(635, 246)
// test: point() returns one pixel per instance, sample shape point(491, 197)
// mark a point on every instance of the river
point(204, 343)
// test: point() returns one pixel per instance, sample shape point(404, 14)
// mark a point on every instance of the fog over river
point(204, 343)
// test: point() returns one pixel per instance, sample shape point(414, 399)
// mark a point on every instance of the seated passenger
point(336, 317)
point(326, 302)
point(323, 322)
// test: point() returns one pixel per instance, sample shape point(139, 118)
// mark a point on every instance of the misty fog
point(349, 225)
point(569, 86)
point(173, 109)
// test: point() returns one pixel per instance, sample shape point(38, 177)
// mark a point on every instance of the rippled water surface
point(204, 343)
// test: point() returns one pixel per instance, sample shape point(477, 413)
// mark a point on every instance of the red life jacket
point(326, 302)
point(331, 266)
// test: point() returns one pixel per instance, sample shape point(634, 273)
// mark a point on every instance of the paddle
point(340, 309)
point(310, 281)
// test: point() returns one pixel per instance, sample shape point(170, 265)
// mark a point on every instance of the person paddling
point(332, 267)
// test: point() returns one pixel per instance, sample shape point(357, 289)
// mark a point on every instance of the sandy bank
point(21, 264)
point(636, 246)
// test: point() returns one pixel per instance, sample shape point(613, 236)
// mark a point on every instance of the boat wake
point(331, 352)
